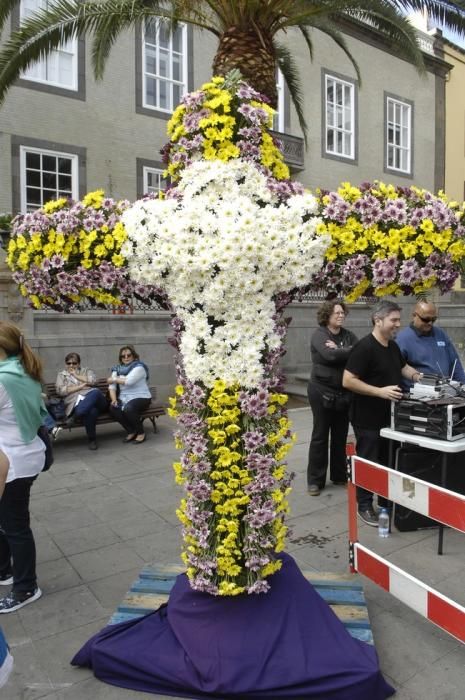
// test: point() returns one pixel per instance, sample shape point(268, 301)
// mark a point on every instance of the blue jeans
point(17, 546)
point(89, 409)
point(49, 422)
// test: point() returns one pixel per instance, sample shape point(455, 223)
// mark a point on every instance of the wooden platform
point(343, 592)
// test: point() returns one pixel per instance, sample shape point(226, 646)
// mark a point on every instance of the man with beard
point(373, 373)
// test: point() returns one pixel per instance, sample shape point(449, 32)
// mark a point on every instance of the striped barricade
point(434, 501)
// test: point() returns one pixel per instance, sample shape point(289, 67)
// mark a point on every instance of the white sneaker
point(55, 432)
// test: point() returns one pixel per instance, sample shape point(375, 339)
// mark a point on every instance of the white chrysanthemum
point(221, 253)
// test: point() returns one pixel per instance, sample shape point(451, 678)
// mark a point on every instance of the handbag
point(56, 408)
point(335, 400)
point(45, 437)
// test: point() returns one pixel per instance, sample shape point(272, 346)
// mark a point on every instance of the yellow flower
point(357, 291)
point(408, 249)
point(271, 568)
point(117, 260)
point(348, 192)
point(35, 301)
point(54, 205)
point(427, 226)
point(94, 199)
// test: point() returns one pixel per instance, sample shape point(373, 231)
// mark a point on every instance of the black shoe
point(313, 490)
point(15, 601)
point(6, 579)
point(138, 442)
point(340, 483)
point(93, 445)
point(368, 516)
point(129, 438)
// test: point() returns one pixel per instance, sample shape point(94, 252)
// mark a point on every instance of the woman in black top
point(330, 348)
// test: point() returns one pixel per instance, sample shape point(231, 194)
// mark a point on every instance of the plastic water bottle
point(383, 523)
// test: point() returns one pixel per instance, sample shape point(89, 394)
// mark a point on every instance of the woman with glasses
point(83, 401)
point(330, 346)
point(130, 393)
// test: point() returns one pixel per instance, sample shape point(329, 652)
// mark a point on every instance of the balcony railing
point(293, 148)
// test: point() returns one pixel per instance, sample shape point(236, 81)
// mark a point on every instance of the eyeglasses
point(427, 319)
point(125, 357)
point(72, 363)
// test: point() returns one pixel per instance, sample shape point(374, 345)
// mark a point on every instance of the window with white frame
point(164, 62)
point(60, 67)
point(46, 175)
point(340, 117)
point(153, 180)
point(398, 135)
point(279, 117)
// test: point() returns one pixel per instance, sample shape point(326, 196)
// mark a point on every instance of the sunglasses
point(72, 363)
point(125, 357)
point(427, 319)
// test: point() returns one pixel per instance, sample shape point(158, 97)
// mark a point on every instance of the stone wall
point(97, 336)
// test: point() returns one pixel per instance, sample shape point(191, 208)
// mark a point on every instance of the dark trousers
point(17, 546)
point(130, 416)
point(88, 410)
point(326, 423)
point(375, 448)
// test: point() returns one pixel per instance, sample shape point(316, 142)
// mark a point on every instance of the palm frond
point(6, 8)
point(394, 26)
point(329, 29)
point(288, 68)
point(306, 35)
point(448, 14)
point(46, 30)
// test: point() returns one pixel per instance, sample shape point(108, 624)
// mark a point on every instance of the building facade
point(455, 122)
point(63, 133)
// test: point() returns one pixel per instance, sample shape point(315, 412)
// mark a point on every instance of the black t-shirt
point(377, 365)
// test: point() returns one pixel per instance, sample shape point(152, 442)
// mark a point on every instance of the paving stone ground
point(100, 516)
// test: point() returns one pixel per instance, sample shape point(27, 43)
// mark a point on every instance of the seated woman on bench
point(129, 393)
point(83, 401)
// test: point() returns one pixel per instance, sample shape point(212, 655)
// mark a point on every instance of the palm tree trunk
point(253, 54)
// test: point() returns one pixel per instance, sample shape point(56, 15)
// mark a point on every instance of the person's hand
point(114, 404)
point(330, 344)
point(390, 393)
point(110, 380)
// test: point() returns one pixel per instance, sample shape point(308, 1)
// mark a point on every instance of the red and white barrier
point(434, 501)
point(428, 499)
point(445, 613)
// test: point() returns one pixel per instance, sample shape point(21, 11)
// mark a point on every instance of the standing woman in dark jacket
point(330, 348)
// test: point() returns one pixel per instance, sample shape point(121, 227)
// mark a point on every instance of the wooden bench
point(154, 411)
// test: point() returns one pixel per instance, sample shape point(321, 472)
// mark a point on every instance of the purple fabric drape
point(287, 643)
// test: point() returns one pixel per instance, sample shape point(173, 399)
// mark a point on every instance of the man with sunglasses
point(427, 347)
